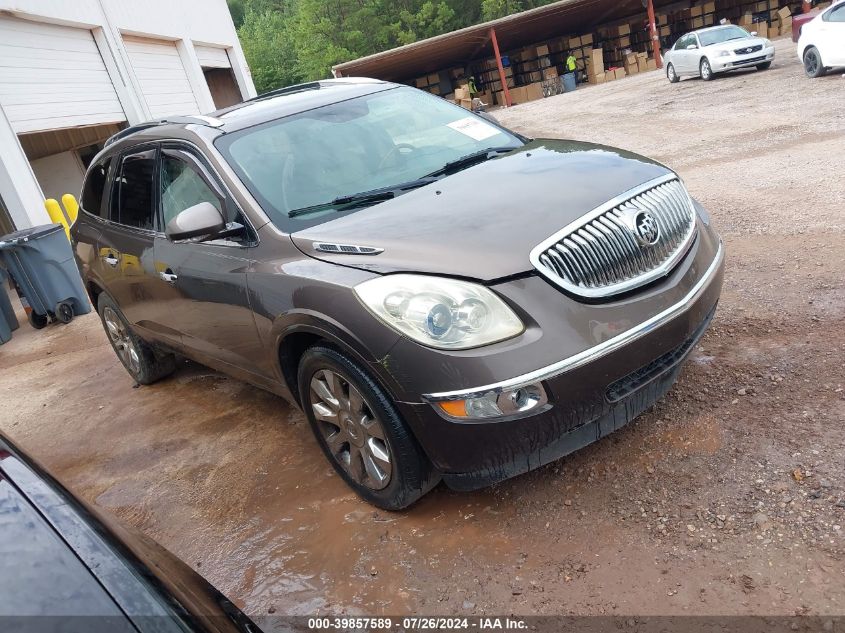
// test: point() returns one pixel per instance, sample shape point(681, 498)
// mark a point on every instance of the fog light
point(513, 403)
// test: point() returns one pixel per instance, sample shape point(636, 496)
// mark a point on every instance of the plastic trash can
point(41, 262)
point(8, 320)
point(569, 82)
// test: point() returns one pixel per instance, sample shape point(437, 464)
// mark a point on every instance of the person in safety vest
point(571, 65)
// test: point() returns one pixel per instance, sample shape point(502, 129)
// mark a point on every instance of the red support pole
point(502, 77)
point(655, 40)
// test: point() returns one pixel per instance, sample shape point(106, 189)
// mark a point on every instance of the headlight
point(724, 54)
point(439, 312)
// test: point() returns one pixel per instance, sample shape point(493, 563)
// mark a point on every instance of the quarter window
point(132, 198)
point(95, 187)
point(182, 187)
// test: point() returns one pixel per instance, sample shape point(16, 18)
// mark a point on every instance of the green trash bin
point(40, 261)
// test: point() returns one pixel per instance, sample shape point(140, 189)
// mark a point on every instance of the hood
point(482, 222)
point(733, 45)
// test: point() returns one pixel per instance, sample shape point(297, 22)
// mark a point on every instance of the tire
point(705, 70)
point(64, 312)
point(38, 321)
point(672, 75)
point(143, 363)
point(764, 66)
point(813, 66)
point(359, 428)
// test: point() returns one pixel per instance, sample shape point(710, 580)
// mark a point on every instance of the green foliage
point(287, 41)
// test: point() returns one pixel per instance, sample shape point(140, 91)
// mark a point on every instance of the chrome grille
point(749, 49)
point(604, 253)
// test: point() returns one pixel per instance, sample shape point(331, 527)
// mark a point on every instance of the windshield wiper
point(355, 200)
point(470, 159)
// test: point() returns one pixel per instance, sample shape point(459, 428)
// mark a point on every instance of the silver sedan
point(717, 49)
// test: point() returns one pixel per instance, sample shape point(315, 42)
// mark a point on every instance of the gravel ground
point(728, 497)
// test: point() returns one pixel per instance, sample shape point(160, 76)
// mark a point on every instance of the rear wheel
point(361, 432)
point(764, 66)
point(64, 312)
point(38, 321)
point(705, 70)
point(813, 63)
point(672, 74)
point(142, 362)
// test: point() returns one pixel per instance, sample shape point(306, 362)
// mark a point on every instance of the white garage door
point(162, 76)
point(212, 57)
point(53, 77)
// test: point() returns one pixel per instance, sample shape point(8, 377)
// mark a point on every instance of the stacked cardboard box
point(595, 64)
point(784, 21)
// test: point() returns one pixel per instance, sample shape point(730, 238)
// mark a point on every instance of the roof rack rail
point(311, 85)
point(193, 119)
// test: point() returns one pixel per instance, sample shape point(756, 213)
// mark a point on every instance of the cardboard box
point(535, 76)
point(697, 22)
point(433, 78)
point(651, 64)
point(642, 64)
point(598, 78)
point(620, 73)
point(774, 31)
point(709, 7)
point(623, 29)
point(665, 31)
point(696, 11)
point(746, 20)
point(575, 42)
point(422, 82)
point(762, 28)
point(542, 50)
point(465, 103)
point(462, 93)
point(595, 61)
point(786, 27)
point(587, 39)
point(534, 91)
point(518, 95)
point(550, 73)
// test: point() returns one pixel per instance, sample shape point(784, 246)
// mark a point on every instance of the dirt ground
point(727, 498)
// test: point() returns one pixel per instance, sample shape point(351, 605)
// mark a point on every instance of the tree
point(269, 47)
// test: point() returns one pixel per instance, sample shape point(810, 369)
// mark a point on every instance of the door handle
point(111, 260)
point(168, 276)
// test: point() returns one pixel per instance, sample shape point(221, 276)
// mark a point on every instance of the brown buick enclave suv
point(442, 297)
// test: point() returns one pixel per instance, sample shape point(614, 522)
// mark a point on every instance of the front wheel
point(764, 66)
point(813, 66)
point(360, 431)
point(705, 70)
point(672, 74)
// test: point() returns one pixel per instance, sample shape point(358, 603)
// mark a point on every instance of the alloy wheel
point(671, 72)
point(706, 71)
point(353, 433)
point(122, 342)
point(811, 62)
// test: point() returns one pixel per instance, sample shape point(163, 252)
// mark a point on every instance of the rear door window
point(133, 202)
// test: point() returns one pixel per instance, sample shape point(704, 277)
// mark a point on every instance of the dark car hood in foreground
point(483, 222)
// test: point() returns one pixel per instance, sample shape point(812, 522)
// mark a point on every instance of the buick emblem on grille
point(646, 228)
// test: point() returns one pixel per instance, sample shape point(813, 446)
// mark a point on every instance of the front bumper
point(592, 394)
point(724, 64)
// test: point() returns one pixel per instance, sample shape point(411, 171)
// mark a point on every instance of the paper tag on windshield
point(474, 128)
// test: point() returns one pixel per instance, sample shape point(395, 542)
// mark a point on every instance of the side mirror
point(691, 47)
point(202, 220)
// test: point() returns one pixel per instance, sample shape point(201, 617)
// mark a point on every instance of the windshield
point(717, 36)
point(359, 145)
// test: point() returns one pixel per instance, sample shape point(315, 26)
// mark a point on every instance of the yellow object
point(455, 408)
point(56, 215)
point(71, 208)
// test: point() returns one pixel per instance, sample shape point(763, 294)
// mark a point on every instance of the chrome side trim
point(593, 353)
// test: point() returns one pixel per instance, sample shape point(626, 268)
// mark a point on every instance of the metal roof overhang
point(514, 31)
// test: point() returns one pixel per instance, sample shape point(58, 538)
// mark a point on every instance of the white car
point(717, 49)
point(822, 42)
